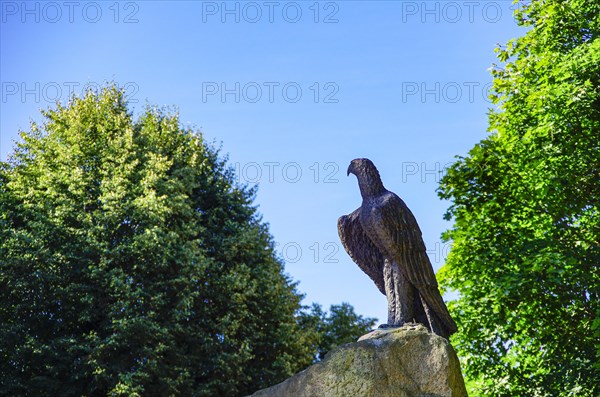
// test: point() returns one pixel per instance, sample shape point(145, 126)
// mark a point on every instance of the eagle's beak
point(350, 169)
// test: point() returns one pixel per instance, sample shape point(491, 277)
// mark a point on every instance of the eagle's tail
point(441, 325)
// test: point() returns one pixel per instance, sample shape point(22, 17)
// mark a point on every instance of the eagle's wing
point(361, 249)
point(404, 243)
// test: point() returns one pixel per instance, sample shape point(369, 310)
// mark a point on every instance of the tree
point(526, 209)
point(341, 325)
point(131, 263)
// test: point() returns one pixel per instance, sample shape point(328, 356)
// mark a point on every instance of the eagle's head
point(361, 167)
point(368, 177)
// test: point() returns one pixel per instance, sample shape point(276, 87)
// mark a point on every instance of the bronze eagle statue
point(384, 239)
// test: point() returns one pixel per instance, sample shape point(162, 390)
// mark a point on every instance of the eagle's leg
point(400, 295)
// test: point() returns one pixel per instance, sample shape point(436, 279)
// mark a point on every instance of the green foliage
point(132, 264)
point(526, 210)
point(328, 330)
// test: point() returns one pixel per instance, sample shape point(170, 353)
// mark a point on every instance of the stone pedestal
point(397, 362)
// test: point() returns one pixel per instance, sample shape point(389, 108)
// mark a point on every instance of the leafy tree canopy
point(341, 325)
point(132, 264)
point(526, 209)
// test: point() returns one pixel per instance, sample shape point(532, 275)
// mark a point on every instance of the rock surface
point(397, 362)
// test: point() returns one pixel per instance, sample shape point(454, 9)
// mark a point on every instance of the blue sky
point(291, 90)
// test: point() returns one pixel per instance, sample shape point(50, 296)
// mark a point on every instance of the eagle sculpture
point(384, 239)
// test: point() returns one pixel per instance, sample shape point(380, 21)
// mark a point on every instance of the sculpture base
point(408, 361)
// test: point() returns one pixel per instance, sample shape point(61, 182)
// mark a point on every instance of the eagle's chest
point(372, 220)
